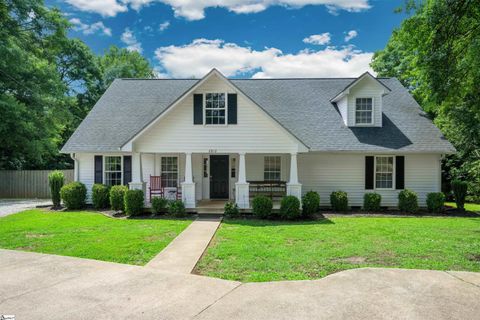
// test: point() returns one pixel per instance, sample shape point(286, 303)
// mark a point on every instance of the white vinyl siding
point(325, 173)
point(255, 132)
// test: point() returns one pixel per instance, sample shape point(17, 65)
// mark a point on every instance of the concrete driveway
point(38, 286)
point(10, 206)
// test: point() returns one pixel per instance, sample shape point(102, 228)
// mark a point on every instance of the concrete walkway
point(182, 254)
point(39, 286)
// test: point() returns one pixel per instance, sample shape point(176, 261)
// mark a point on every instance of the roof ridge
point(256, 79)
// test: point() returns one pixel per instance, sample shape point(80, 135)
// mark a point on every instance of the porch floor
point(209, 206)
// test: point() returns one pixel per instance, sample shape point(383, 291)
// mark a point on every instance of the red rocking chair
point(156, 188)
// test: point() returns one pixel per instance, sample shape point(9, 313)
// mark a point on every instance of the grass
point(255, 250)
point(88, 235)
point(468, 206)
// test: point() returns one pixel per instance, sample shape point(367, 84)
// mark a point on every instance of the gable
point(255, 130)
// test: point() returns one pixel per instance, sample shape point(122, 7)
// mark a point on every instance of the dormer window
point(215, 108)
point(363, 111)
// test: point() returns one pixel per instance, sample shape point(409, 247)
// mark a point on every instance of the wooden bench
point(272, 189)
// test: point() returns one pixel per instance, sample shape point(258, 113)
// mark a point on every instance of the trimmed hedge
point(231, 209)
point(460, 189)
point(177, 208)
point(339, 200)
point(56, 179)
point(310, 203)
point(159, 205)
point(435, 201)
point(372, 201)
point(290, 208)
point(408, 201)
point(73, 195)
point(262, 207)
point(117, 194)
point(134, 202)
point(100, 196)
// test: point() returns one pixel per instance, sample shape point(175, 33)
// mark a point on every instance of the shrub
point(262, 207)
point(231, 209)
point(408, 201)
point(176, 208)
point(56, 180)
point(290, 208)
point(117, 194)
point(339, 201)
point(372, 201)
point(310, 203)
point(435, 201)
point(159, 204)
point(100, 196)
point(133, 202)
point(73, 195)
point(460, 189)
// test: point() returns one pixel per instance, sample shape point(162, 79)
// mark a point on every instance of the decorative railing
point(271, 189)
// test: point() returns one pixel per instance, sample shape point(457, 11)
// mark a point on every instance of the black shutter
point(127, 170)
point(232, 108)
point(198, 109)
point(399, 172)
point(98, 169)
point(369, 172)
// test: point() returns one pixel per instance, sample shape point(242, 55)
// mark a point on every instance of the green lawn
point(468, 206)
point(88, 235)
point(254, 250)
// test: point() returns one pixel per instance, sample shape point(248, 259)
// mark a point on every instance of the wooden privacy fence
point(27, 183)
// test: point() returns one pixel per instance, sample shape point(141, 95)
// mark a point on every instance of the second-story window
point(364, 111)
point(215, 108)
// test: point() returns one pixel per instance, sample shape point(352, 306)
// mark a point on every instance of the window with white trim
point(384, 172)
point(169, 171)
point(113, 170)
point(272, 168)
point(364, 111)
point(215, 108)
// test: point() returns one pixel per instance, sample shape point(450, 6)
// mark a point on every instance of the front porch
point(206, 181)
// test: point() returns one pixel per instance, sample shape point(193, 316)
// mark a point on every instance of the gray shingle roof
point(302, 106)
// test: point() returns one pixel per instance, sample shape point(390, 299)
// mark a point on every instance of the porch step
point(214, 210)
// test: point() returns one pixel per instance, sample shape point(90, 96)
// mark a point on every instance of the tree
point(435, 54)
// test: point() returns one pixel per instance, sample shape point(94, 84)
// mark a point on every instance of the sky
point(241, 38)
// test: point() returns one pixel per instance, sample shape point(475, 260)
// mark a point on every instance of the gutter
point(76, 170)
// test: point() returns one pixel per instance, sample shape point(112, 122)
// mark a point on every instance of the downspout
point(75, 167)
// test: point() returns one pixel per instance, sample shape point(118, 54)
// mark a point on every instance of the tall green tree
point(435, 54)
point(32, 93)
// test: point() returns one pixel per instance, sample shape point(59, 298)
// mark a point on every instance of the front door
point(219, 177)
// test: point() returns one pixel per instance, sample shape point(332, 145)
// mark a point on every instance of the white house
point(219, 138)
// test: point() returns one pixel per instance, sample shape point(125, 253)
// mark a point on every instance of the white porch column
point(188, 186)
point(137, 173)
point(294, 188)
point(242, 189)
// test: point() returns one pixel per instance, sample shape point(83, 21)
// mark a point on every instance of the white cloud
point(107, 8)
point(131, 41)
point(87, 29)
point(195, 9)
point(350, 35)
point(318, 39)
point(164, 26)
point(200, 56)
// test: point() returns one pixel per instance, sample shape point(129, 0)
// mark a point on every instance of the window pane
point(169, 168)
point(272, 168)
point(113, 170)
point(215, 108)
point(384, 172)
point(363, 110)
